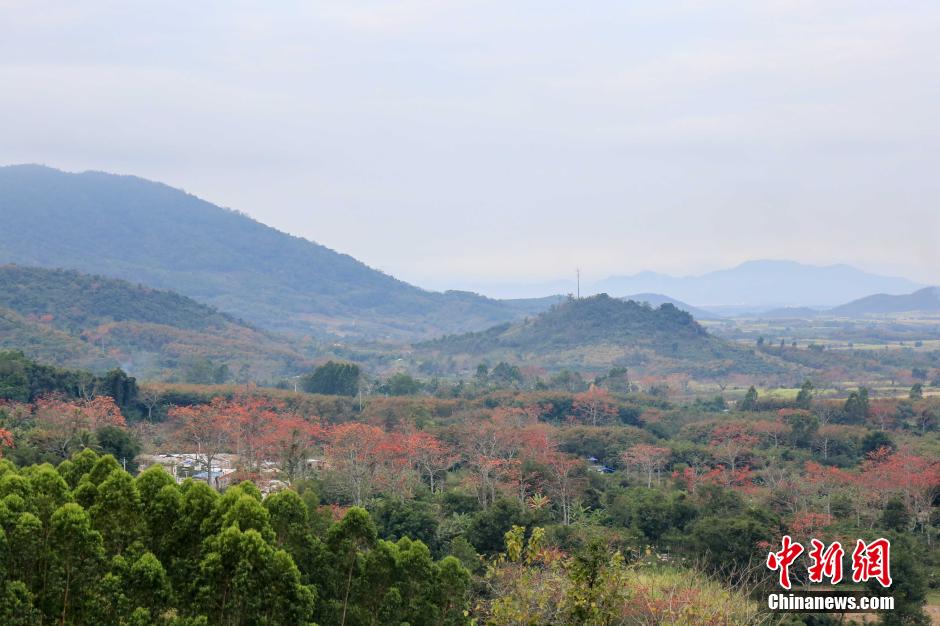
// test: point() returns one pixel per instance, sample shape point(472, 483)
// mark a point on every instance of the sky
point(477, 143)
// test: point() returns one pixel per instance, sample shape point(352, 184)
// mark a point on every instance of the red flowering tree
point(6, 440)
point(211, 428)
point(914, 478)
point(731, 441)
point(290, 442)
point(565, 481)
point(647, 459)
point(65, 425)
point(366, 459)
point(431, 457)
point(593, 406)
point(255, 421)
point(491, 449)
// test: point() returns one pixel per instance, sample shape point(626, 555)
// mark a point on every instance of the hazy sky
point(470, 142)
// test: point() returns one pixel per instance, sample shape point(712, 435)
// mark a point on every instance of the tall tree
point(649, 459)
point(332, 378)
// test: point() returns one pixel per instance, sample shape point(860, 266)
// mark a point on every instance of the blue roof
point(203, 475)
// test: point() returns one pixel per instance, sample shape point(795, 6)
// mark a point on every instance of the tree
point(749, 403)
point(243, 580)
point(564, 481)
point(618, 379)
point(400, 384)
point(648, 459)
point(505, 374)
point(909, 585)
point(895, 516)
point(593, 406)
point(491, 448)
point(6, 440)
point(290, 441)
point(14, 377)
point(771, 432)
point(730, 441)
point(255, 421)
point(365, 458)
point(151, 398)
point(119, 443)
point(148, 585)
point(804, 398)
point(413, 519)
point(431, 457)
point(489, 527)
point(347, 541)
point(914, 478)
point(78, 554)
point(119, 386)
point(116, 512)
point(803, 426)
point(917, 392)
point(64, 426)
point(209, 427)
point(727, 542)
point(876, 440)
point(856, 406)
point(332, 378)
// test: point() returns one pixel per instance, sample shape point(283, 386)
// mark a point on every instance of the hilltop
point(658, 299)
point(600, 332)
point(145, 232)
point(78, 320)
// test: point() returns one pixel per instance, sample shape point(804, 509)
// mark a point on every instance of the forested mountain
point(922, 300)
point(78, 320)
point(600, 332)
point(141, 231)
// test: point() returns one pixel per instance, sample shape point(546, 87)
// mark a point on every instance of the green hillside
point(145, 232)
point(599, 332)
point(76, 320)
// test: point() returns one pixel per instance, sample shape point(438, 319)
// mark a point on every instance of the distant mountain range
point(91, 322)
point(129, 228)
point(762, 283)
point(144, 232)
point(923, 300)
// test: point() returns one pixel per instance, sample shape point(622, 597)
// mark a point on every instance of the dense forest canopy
point(614, 503)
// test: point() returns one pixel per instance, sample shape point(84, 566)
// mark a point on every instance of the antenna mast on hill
point(577, 272)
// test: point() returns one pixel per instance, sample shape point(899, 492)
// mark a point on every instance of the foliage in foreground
point(532, 584)
point(85, 543)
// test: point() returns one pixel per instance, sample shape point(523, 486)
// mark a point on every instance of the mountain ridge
point(145, 232)
point(763, 282)
point(97, 323)
point(922, 300)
